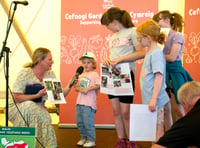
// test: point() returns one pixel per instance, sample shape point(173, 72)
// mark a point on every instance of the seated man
point(185, 132)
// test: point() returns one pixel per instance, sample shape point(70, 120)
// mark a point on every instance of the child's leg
point(79, 121)
point(177, 109)
point(168, 121)
point(160, 123)
point(119, 123)
point(88, 119)
point(118, 118)
point(180, 112)
point(125, 111)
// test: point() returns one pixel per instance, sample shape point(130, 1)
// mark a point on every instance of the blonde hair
point(189, 91)
point(152, 29)
point(38, 54)
point(94, 62)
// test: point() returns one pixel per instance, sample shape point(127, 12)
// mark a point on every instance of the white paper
point(142, 123)
point(54, 91)
point(116, 81)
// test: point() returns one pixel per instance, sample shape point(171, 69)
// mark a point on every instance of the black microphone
point(78, 72)
point(21, 2)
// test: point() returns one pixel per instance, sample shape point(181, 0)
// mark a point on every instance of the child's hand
point(114, 62)
point(84, 90)
point(106, 61)
point(152, 105)
point(76, 81)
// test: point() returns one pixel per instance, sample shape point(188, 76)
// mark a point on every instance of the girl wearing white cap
point(87, 86)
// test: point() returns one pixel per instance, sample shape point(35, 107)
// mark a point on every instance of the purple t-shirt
point(174, 37)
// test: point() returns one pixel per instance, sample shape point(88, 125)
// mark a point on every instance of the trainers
point(121, 143)
point(89, 143)
point(81, 142)
point(131, 144)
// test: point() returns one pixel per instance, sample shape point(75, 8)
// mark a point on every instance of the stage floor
point(68, 137)
point(105, 138)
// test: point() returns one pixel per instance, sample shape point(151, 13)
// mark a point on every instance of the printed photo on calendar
point(54, 91)
point(116, 81)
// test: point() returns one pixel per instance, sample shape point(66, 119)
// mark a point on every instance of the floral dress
point(34, 114)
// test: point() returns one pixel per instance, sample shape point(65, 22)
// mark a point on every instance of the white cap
point(88, 55)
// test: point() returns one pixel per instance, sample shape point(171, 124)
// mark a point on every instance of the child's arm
point(138, 54)
point(93, 87)
point(175, 49)
point(89, 88)
point(77, 87)
point(156, 90)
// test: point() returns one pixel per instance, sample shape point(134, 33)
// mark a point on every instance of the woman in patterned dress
point(34, 114)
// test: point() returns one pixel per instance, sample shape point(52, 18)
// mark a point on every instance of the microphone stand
point(7, 51)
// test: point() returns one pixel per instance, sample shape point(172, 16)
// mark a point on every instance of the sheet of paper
point(54, 91)
point(116, 81)
point(142, 123)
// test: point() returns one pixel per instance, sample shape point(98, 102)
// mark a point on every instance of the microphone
point(78, 72)
point(21, 2)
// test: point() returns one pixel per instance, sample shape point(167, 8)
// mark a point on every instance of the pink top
point(88, 79)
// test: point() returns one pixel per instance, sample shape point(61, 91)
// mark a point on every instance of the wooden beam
point(17, 28)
